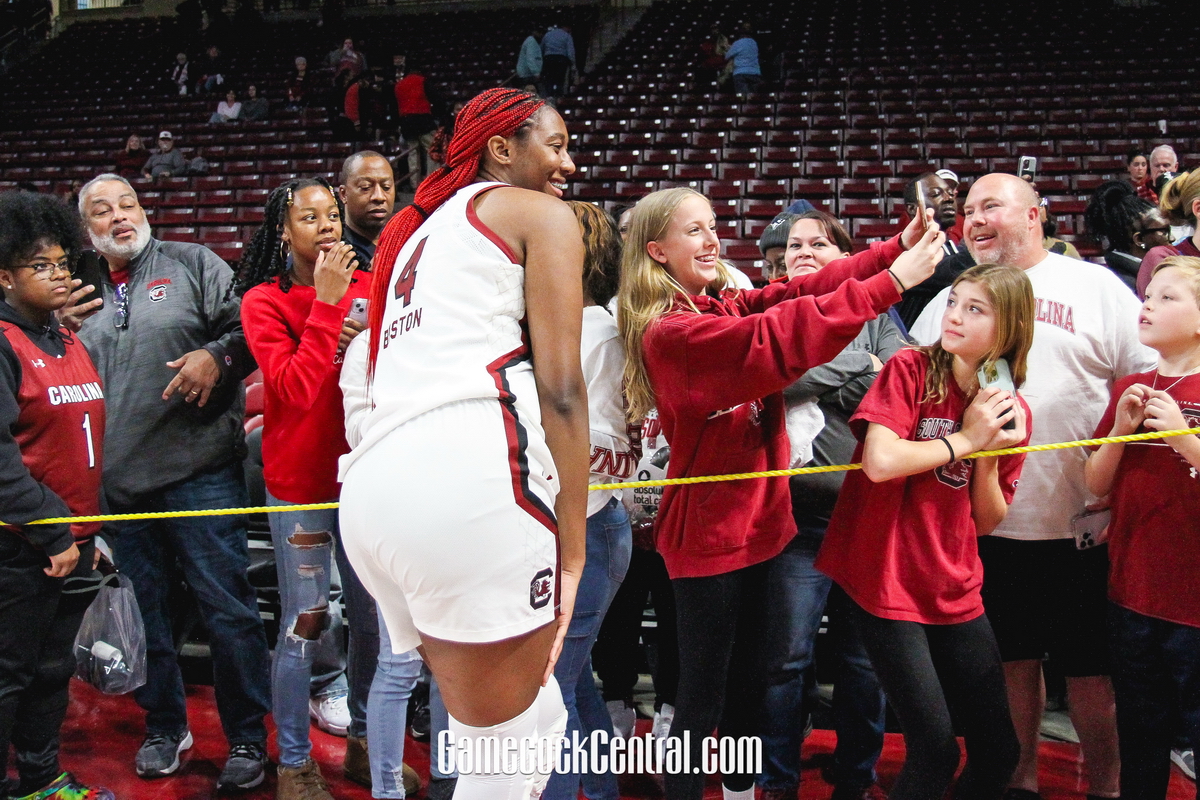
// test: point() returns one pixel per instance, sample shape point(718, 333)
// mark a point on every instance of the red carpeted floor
point(102, 734)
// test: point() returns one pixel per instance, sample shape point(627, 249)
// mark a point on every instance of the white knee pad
point(542, 724)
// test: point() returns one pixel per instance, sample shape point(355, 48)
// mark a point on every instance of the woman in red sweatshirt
point(715, 362)
point(298, 279)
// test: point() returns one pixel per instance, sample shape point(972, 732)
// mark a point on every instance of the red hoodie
point(718, 380)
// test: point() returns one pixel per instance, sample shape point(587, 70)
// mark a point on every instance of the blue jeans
point(337, 670)
point(609, 546)
point(1156, 674)
point(387, 715)
point(213, 555)
point(303, 570)
point(800, 592)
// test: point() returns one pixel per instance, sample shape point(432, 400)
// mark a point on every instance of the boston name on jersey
point(78, 393)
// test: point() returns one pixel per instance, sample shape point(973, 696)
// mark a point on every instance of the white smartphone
point(1027, 166)
point(998, 374)
point(358, 310)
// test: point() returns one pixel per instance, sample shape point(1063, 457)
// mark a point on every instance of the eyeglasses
point(121, 317)
point(1163, 231)
point(44, 269)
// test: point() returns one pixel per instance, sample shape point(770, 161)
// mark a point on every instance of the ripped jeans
point(304, 544)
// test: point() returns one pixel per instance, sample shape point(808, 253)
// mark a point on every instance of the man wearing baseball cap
point(166, 161)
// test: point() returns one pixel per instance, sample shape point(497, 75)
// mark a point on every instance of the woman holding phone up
point(298, 280)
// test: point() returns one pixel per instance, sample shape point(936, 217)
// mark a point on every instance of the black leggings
point(721, 681)
point(930, 674)
point(38, 624)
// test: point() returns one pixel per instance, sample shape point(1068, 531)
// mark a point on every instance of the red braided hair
point(495, 112)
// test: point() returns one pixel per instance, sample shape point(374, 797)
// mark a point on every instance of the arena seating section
point(865, 95)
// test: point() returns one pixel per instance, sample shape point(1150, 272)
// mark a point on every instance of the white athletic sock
point(552, 725)
point(493, 785)
point(745, 794)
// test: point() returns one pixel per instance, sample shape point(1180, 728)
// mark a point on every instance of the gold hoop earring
point(283, 251)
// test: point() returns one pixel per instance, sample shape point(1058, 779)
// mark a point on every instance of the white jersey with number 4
point(454, 327)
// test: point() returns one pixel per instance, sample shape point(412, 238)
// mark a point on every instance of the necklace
point(1187, 374)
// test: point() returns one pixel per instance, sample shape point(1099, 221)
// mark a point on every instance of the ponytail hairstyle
point(264, 260)
point(602, 251)
point(1113, 213)
point(1178, 197)
point(648, 291)
point(495, 112)
point(1011, 296)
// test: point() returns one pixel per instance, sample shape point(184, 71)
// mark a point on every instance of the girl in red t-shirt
point(1154, 578)
point(902, 540)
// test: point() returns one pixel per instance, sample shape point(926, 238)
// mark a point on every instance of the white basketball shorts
point(449, 522)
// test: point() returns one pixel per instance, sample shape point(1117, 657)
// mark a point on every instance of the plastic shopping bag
point(110, 649)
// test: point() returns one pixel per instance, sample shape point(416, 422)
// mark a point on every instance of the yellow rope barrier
point(739, 476)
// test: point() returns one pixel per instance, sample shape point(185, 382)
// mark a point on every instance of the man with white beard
point(1043, 595)
point(169, 346)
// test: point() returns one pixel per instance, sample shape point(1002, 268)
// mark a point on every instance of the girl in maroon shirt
point(902, 539)
point(715, 362)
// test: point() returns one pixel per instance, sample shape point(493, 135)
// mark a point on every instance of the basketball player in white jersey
point(463, 505)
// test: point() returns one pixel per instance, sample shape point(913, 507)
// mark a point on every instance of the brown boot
point(412, 781)
point(357, 765)
point(301, 783)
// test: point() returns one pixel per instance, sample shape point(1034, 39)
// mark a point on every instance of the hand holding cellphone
point(921, 207)
point(998, 374)
point(358, 310)
point(1027, 168)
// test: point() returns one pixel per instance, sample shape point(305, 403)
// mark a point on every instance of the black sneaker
point(246, 767)
point(159, 755)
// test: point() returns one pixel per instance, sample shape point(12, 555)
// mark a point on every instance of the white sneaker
point(1186, 761)
point(623, 718)
point(662, 721)
point(331, 713)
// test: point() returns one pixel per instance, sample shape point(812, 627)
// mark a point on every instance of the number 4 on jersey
point(408, 276)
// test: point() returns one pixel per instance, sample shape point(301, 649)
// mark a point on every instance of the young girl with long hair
point(902, 538)
point(464, 506)
point(52, 423)
point(1154, 578)
point(714, 363)
point(297, 281)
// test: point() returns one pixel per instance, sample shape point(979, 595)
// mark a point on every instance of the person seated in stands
point(131, 160)
point(255, 107)
point(1180, 203)
point(212, 68)
point(1126, 226)
point(1137, 164)
point(50, 470)
point(228, 110)
point(1163, 161)
point(773, 245)
point(347, 59)
point(166, 161)
point(179, 73)
point(297, 87)
point(1049, 229)
point(942, 196)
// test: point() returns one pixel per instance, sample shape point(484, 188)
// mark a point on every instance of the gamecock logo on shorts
point(541, 588)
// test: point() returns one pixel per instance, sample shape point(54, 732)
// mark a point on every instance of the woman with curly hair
point(51, 442)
